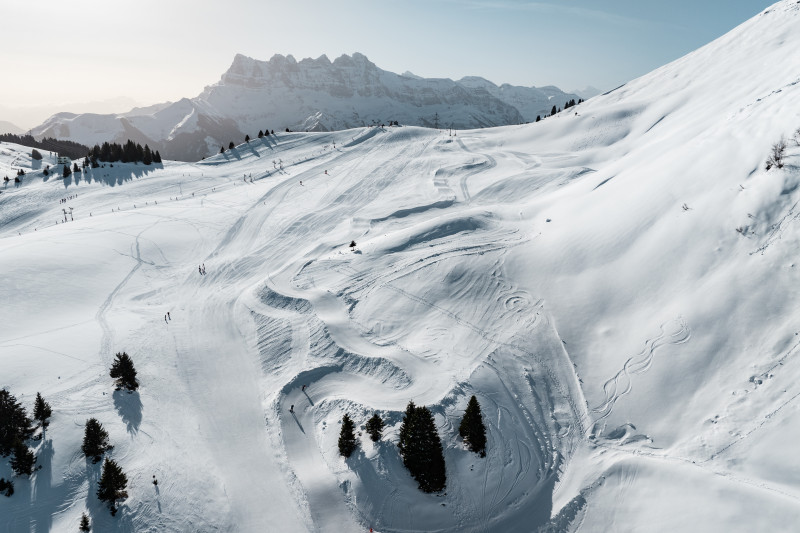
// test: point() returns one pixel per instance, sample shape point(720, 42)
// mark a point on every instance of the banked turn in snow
point(616, 287)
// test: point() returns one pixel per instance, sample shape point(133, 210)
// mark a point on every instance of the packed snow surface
point(617, 285)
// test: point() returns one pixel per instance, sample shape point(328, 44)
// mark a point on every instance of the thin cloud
point(548, 7)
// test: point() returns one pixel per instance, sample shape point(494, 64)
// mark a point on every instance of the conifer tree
point(231, 145)
point(538, 118)
point(6, 487)
point(14, 423)
point(472, 429)
point(375, 427)
point(247, 138)
point(85, 526)
point(75, 167)
point(148, 156)
point(553, 111)
point(260, 134)
point(222, 149)
point(66, 172)
point(95, 440)
point(421, 449)
point(23, 460)
point(42, 411)
point(347, 437)
point(157, 157)
point(123, 371)
point(112, 485)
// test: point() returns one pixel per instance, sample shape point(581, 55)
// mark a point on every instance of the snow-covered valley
point(616, 284)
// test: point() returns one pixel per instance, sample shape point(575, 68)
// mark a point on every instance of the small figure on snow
point(291, 409)
point(169, 317)
point(155, 481)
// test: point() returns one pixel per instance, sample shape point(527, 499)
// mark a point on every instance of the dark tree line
point(70, 149)
point(261, 135)
point(16, 428)
point(419, 444)
point(130, 152)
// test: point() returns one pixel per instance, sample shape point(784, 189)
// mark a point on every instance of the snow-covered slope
point(309, 95)
point(616, 285)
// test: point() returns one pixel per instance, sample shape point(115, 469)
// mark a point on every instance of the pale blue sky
point(59, 53)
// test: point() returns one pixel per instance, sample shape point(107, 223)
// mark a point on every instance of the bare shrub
point(775, 159)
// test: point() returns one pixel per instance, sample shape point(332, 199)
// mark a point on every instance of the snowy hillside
point(617, 285)
point(8, 127)
point(309, 95)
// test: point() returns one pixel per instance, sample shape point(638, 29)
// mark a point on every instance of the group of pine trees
point(419, 444)
point(16, 429)
point(261, 135)
point(555, 110)
point(130, 152)
point(70, 149)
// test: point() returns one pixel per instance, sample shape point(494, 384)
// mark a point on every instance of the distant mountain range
point(313, 95)
point(8, 127)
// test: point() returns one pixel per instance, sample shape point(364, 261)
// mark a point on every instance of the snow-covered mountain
point(8, 127)
point(309, 95)
point(618, 286)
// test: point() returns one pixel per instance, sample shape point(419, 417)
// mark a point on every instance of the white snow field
point(618, 285)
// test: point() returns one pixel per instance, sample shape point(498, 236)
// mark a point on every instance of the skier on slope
point(291, 409)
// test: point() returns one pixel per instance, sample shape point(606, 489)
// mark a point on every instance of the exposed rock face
point(312, 94)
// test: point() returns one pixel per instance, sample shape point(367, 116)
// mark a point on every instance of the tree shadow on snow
point(36, 499)
point(308, 398)
point(101, 517)
point(111, 176)
point(129, 407)
point(298, 423)
point(268, 141)
point(44, 498)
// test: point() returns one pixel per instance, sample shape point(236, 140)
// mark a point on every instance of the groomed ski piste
point(617, 285)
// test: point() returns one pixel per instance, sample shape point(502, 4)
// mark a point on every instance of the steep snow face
point(309, 95)
point(617, 286)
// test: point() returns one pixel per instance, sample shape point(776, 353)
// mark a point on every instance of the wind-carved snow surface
point(616, 285)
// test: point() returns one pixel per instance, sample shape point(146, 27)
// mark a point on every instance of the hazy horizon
point(107, 61)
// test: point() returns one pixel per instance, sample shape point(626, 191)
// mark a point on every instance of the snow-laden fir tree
point(421, 449)
point(375, 427)
point(14, 423)
point(123, 371)
point(85, 526)
point(42, 411)
point(347, 437)
point(112, 485)
point(95, 440)
point(6, 487)
point(472, 429)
